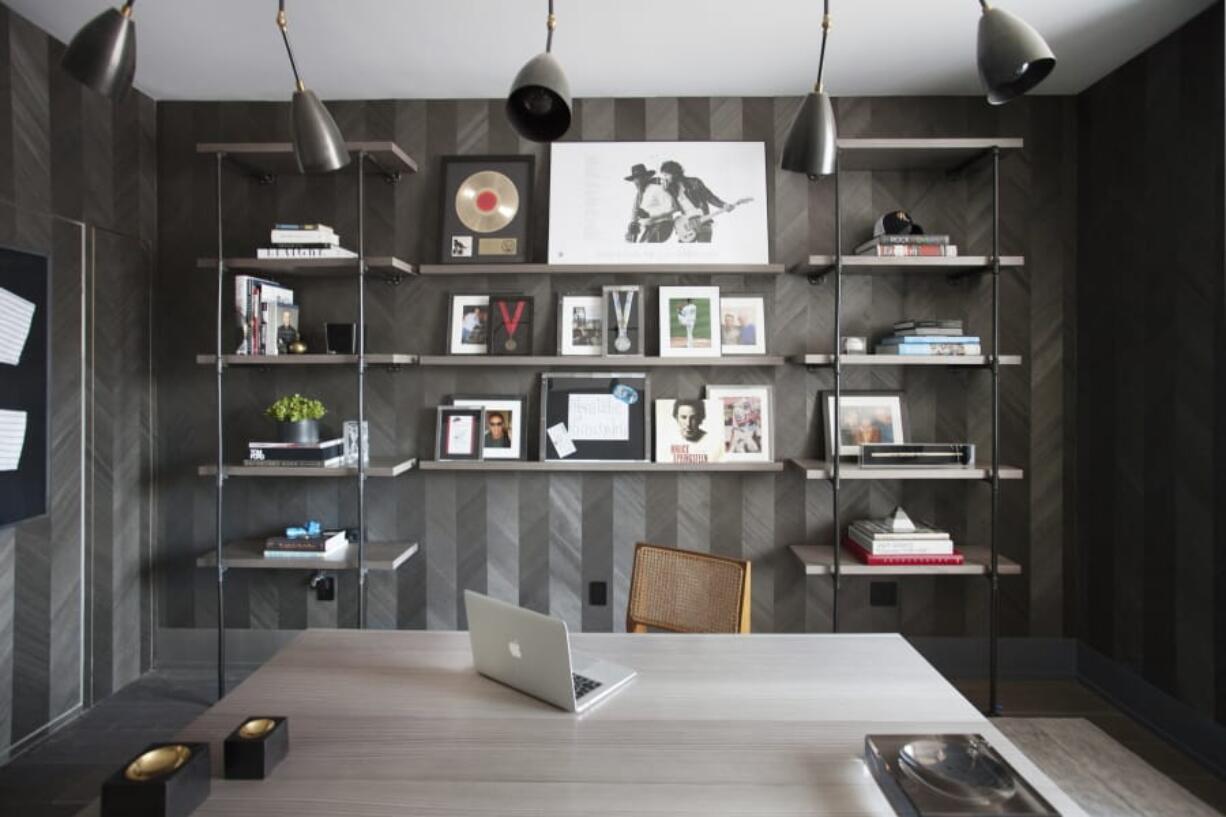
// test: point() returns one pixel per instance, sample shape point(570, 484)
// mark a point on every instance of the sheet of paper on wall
point(16, 315)
point(598, 417)
point(12, 438)
point(561, 440)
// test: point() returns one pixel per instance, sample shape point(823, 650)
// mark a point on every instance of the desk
point(397, 723)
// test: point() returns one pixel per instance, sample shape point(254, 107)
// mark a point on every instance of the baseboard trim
point(20, 747)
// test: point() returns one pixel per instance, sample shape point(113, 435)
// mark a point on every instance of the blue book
point(950, 349)
point(922, 339)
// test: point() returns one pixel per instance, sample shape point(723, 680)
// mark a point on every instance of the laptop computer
point(530, 652)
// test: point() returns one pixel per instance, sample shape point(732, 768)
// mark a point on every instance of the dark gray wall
point(77, 182)
point(1152, 367)
point(537, 539)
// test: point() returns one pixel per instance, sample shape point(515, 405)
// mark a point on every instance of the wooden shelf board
point(277, 158)
point(878, 265)
point(377, 468)
point(631, 467)
point(584, 362)
point(917, 154)
point(308, 360)
point(250, 554)
point(906, 360)
point(601, 269)
point(818, 560)
point(378, 266)
point(820, 469)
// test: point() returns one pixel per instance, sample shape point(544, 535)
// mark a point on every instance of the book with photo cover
point(689, 431)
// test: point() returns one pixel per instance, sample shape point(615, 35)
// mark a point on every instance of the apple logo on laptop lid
point(513, 647)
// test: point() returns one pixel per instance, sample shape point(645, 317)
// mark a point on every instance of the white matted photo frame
point(504, 424)
point(623, 320)
point(866, 417)
point(747, 418)
point(742, 322)
point(689, 322)
point(658, 202)
point(468, 325)
point(458, 434)
point(579, 325)
point(688, 432)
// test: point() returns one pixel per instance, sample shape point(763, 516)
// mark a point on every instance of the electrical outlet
point(324, 585)
point(598, 594)
point(883, 594)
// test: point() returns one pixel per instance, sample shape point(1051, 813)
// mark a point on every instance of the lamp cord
point(281, 24)
point(551, 22)
point(821, 60)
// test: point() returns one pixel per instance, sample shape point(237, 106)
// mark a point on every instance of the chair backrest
point(687, 592)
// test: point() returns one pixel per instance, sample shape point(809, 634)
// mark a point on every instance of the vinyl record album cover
point(486, 209)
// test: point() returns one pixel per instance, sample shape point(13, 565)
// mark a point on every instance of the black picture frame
point(511, 324)
point(508, 244)
point(632, 388)
point(633, 331)
point(25, 388)
point(443, 450)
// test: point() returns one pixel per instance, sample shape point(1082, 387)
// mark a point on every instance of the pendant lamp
point(539, 103)
point(1013, 57)
point(103, 53)
point(318, 144)
point(812, 142)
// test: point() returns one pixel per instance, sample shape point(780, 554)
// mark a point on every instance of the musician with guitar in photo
point(693, 202)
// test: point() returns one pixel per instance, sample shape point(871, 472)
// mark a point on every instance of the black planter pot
point(303, 431)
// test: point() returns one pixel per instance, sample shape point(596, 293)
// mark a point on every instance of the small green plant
point(294, 408)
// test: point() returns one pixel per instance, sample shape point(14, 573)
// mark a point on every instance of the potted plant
point(297, 418)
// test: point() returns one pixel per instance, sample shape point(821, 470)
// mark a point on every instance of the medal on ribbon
point(511, 323)
point(622, 311)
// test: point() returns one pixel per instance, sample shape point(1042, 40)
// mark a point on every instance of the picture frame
point(595, 417)
point(688, 431)
point(486, 207)
point(748, 421)
point(658, 203)
point(742, 324)
point(510, 441)
point(459, 433)
point(511, 322)
point(623, 320)
point(468, 324)
point(579, 325)
point(867, 416)
point(689, 326)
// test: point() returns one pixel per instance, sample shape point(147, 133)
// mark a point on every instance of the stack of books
point(929, 337)
point(304, 241)
point(323, 454)
point(305, 547)
point(896, 540)
point(262, 307)
point(908, 246)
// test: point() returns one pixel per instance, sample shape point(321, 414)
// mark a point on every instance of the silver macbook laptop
point(531, 652)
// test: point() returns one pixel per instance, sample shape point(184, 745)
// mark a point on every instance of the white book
point(304, 237)
point(285, 252)
point(902, 547)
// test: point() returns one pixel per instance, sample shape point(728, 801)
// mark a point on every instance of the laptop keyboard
point(583, 685)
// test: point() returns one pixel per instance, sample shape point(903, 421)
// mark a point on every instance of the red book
point(867, 558)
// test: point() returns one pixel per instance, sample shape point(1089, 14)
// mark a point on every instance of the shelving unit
point(582, 362)
point(968, 361)
point(263, 162)
point(249, 555)
point(620, 467)
point(601, 269)
point(951, 156)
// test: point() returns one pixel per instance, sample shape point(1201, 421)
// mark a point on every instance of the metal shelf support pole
point(221, 466)
point(362, 444)
point(835, 484)
point(993, 568)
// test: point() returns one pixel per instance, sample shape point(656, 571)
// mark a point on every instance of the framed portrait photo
point(866, 417)
point(504, 424)
point(595, 417)
point(460, 433)
point(742, 324)
point(468, 325)
point(746, 414)
point(580, 326)
point(486, 209)
point(623, 321)
point(688, 432)
point(689, 322)
point(510, 325)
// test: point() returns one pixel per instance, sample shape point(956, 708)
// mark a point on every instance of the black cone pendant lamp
point(318, 144)
point(1013, 57)
point(539, 103)
point(812, 141)
point(103, 54)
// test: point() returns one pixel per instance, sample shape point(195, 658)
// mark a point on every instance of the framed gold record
point(486, 207)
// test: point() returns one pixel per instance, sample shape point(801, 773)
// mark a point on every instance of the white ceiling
point(375, 49)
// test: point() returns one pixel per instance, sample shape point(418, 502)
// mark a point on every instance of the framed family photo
point(865, 417)
point(747, 422)
point(468, 325)
point(579, 325)
point(742, 324)
point(623, 321)
point(503, 425)
point(689, 322)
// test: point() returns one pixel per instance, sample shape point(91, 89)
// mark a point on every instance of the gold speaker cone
point(486, 201)
point(157, 762)
point(256, 728)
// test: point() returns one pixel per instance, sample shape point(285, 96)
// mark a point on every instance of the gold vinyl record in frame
point(486, 201)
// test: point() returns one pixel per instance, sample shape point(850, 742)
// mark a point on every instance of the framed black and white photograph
point(689, 322)
point(623, 320)
point(510, 324)
point(658, 202)
point(742, 322)
point(24, 353)
point(468, 325)
point(688, 432)
point(461, 432)
point(504, 430)
point(866, 417)
point(747, 420)
point(579, 325)
point(486, 210)
point(595, 417)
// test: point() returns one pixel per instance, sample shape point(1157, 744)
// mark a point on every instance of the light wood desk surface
point(398, 723)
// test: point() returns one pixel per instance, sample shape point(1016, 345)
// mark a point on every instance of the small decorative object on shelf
point(461, 433)
point(350, 433)
point(855, 345)
point(297, 418)
point(865, 417)
point(468, 325)
point(910, 455)
point(298, 348)
point(743, 324)
point(255, 748)
point(579, 325)
point(487, 209)
point(689, 323)
point(746, 415)
point(340, 338)
point(504, 423)
point(623, 320)
point(689, 431)
point(165, 780)
point(595, 417)
point(511, 325)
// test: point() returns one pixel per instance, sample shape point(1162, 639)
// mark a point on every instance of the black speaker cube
point(174, 793)
point(251, 753)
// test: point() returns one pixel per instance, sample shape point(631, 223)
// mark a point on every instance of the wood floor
point(63, 774)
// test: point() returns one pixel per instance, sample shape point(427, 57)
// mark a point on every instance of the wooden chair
point(686, 592)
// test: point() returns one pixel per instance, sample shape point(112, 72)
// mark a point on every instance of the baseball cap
point(896, 222)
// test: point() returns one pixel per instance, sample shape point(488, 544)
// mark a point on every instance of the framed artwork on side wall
point(24, 349)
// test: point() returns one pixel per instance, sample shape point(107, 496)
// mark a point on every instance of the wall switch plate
point(324, 585)
point(598, 594)
point(883, 594)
